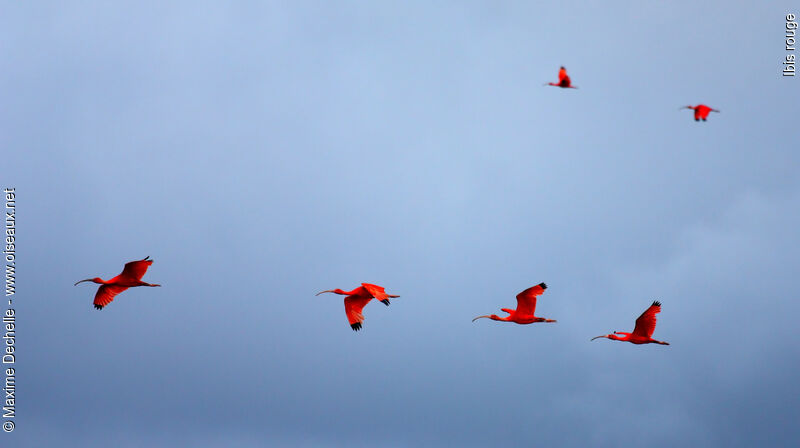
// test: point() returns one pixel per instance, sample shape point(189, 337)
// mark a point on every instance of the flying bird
point(130, 277)
point(643, 332)
point(700, 111)
point(563, 80)
point(358, 298)
point(526, 305)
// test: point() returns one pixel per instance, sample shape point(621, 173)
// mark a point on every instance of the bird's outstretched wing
point(135, 270)
point(526, 300)
point(646, 323)
point(352, 307)
point(105, 295)
point(377, 291)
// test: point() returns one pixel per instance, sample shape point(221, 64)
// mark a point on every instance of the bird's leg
point(149, 284)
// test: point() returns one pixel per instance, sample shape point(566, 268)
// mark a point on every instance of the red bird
point(563, 80)
point(358, 298)
point(131, 276)
point(643, 332)
point(526, 305)
point(700, 111)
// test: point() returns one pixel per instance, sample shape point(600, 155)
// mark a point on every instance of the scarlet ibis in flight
point(526, 305)
point(700, 111)
point(643, 332)
point(563, 80)
point(130, 277)
point(358, 298)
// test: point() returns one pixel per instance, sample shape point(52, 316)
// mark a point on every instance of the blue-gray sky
point(263, 151)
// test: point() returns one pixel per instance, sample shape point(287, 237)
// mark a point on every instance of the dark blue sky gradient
point(260, 152)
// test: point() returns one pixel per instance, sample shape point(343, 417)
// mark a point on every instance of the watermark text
point(9, 317)
point(791, 35)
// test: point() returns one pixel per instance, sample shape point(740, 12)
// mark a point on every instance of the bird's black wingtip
point(543, 285)
point(385, 302)
point(98, 307)
point(147, 257)
point(656, 303)
point(356, 326)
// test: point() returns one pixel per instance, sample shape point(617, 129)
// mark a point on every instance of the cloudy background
point(263, 151)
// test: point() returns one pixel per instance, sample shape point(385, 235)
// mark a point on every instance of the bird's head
point(488, 316)
point(335, 291)
point(94, 280)
point(613, 337)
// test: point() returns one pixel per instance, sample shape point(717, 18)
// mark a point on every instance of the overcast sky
point(261, 152)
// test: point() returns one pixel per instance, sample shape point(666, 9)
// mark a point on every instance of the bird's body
point(358, 298)
point(526, 306)
point(130, 277)
point(563, 80)
point(701, 111)
point(643, 332)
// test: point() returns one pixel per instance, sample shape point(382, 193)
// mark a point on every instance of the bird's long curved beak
point(392, 296)
point(322, 292)
point(597, 337)
point(87, 280)
point(480, 317)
